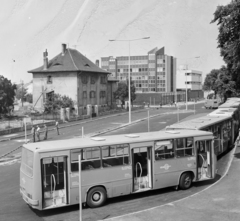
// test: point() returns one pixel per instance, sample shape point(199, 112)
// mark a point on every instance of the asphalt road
point(12, 207)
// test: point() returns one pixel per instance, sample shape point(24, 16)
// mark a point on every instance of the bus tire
point(96, 197)
point(185, 181)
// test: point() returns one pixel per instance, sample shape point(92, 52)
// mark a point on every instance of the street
point(12, 205)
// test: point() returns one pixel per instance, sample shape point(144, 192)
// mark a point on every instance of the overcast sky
point(29, 27)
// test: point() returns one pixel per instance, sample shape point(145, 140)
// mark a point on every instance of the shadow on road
point(139, 197)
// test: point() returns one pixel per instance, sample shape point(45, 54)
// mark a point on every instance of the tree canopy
point(7, 94)
point(220, 81)
point(57, 101)
point(228, 19)
point(122, 92)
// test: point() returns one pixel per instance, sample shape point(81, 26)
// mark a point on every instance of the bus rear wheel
point(185, 181)
point(96, 197)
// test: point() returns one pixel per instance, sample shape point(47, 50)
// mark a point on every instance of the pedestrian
point(45, 131)
point(38, 132)
point(57, 128)
point(33, 133)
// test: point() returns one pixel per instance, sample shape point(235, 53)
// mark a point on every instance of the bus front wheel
point(96, 197)
point(185, 181)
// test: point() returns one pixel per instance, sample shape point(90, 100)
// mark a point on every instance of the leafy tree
point(29, 98)
point(209, 83)
point(21, 92)
point(7, 93)
point(122, 92)
point(220, 81)
point(57, 101)
point(228, 20)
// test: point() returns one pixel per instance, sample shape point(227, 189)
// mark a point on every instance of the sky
point(28, 28)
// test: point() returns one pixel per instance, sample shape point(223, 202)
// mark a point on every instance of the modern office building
point(151, 73)
point(190, 79)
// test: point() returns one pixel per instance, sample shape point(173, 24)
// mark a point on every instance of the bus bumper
point(29, 201)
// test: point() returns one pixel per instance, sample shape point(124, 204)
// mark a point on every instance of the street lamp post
point(129, 74)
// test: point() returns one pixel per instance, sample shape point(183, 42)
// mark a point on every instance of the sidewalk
point(218, 202)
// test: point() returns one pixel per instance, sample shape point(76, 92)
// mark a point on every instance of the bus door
point(206, 160)
point(142, 168)
point(54, 181)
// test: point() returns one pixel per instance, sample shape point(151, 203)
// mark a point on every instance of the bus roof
point(230, 104)
point(223, 112)
point(199, 123)
point(234, 98)
point(111, 140)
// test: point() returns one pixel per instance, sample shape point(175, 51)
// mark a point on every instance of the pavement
point(218, 202)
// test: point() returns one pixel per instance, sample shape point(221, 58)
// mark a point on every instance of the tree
point(57, 101)
point(29, 98)
point(228, 20)
point(7, 93)
point(220, 81)
point(21, 92)
point(122, 92)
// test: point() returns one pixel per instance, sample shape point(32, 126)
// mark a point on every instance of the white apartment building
point(191, 79)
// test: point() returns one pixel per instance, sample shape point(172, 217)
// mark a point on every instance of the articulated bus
point(223, 126)
point(113, 166)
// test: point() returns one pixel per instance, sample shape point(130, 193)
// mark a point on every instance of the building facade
point(151, 73)
point(72, 74)
point(189, 79)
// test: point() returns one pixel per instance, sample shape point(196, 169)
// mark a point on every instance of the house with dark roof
point(72, 74)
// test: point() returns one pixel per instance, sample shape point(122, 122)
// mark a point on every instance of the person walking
point(33, 131)
point(45, 131)
point(38, 132)
point(57, 127)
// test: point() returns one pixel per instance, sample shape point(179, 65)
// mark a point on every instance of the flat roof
point(199, 123)
point(49, 146)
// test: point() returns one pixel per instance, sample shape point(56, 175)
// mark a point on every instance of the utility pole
point(22, 93)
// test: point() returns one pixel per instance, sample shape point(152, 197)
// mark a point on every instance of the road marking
point(162, 122)
point(22, 140)
point(10, 135)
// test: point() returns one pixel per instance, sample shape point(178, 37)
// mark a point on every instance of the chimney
point(97, 63)
point(45, 60)
point(64, 47)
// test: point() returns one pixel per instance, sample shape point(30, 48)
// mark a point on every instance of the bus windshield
point(27, 162)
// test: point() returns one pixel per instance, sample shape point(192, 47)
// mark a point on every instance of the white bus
point(113, 166)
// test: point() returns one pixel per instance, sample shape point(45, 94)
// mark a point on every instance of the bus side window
point(115, 155)
point(93, 160)
point(164, 150)
point(184, 147)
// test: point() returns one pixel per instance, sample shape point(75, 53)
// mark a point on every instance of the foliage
point(21, 92)
point(220, 81)
point(228, 20)
point(29, 98)
point(122, 92)
point(57, 101)
point(7, 93)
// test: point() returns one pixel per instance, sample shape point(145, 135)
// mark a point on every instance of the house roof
point(71, 60)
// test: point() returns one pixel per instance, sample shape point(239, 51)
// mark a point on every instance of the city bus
point(223, 126)
point(113, 166)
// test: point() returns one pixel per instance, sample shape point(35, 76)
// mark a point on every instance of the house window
point(84, 79)
point(84, 94)
point(49, 79)
point(93, 80)
point(92, 94)
point(102, 94)
point(103, 80)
